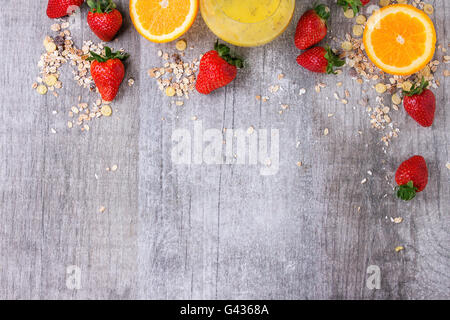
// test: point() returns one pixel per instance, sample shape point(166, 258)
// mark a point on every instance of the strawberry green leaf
point(322, 11)
point(224, 53)
point(109, 54)
point(101, 6)
point(417, 89)
point(407, 191)
point(333, 61)
point(355, 5)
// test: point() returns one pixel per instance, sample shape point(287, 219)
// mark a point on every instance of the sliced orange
point(163, 20)
point(400, 39)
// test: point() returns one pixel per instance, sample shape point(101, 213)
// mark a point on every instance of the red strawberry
point(355, 5)
point(217, 69)
point(420, 103)
point(61, 8)
point(320, 60)
point(108, 72)
point(312, 27)
point(104, 19)
point(411, 177)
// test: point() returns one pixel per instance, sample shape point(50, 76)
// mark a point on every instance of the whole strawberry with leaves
point(411, 177)
point(355, 5)
point(62, 8)
point(312, 27)
point(108, 72)
point(420, 103)
point(104, 19)
point(217, 69)
point(319, 59)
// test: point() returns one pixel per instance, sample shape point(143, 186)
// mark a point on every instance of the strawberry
point(61, 8)
point(355, 5)
point(320, 60)
point(104, 19)
point(411, 177)
point(420, 103)
point(312, 27)
point(217, 69)
point(108, 72)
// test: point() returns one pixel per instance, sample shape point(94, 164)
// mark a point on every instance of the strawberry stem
point(333, 61)
point(355, 5)
point(417, 88)
point(407, 191)
point(101, 6)
point(224, 53)
point(109, 54)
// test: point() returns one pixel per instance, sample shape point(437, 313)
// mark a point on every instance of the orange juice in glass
point(247, 23)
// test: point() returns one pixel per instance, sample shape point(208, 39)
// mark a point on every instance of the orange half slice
point(163, 20)
point(400, 39)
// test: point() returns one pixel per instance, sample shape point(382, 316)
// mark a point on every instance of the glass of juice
point(247, 23)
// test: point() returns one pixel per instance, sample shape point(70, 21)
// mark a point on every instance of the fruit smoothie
point(247, 23)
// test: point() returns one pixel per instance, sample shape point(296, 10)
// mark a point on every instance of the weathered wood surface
point(211, 231)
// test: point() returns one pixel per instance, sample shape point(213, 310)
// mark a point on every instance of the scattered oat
point(175, 74)
point(363, 181)
point(130, 82)
point(274, 89)
point(250, 130)
point(406, 86)
point(396, 99)
point(55, 27)
point(428, 9)
point(50, 80)
point(448, 165)
point(42, 89)
point(384, 3)
point(358, 30)
point(181, 45)
point(325, 132)
point(349, 14)
point(397, 220)
point(361, 19)
point(101, 209)
point(170, 91)
point(114, 168)
point(381, 88)
point(399, 248)
point(106, 110)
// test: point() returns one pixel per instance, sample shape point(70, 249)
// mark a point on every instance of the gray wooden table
point(174, 231)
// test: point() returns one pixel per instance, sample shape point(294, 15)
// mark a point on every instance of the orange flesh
point(162, 17)
point(400, 40)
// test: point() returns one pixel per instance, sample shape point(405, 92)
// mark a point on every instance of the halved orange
point(163, 20)
point(400, 39)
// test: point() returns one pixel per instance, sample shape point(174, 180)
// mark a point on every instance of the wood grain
point(212, 231)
